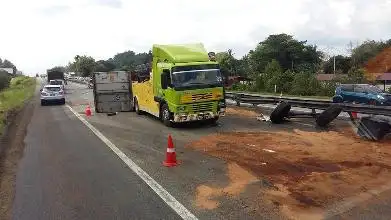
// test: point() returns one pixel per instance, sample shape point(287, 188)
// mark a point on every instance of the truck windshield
point(194, 78)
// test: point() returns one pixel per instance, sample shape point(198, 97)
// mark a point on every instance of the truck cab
point(185, 84)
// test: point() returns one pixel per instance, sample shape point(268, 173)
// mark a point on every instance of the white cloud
point(45, 33)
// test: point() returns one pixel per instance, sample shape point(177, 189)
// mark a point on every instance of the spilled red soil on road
point(309, 170)
point(241, 112)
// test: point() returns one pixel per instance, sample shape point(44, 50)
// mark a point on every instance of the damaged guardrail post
point(238, 99)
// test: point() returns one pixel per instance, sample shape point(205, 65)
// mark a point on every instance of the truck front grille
point(200, 97)
point(202, 107)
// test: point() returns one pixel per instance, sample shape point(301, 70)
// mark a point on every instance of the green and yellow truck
point(185, 84)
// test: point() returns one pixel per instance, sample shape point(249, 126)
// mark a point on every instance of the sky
point(40, 34)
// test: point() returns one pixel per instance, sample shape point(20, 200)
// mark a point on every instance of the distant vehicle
point(361, 93)
point(52, 93)
point(54, 74)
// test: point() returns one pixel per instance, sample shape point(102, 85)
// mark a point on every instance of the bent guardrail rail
point(308, 103)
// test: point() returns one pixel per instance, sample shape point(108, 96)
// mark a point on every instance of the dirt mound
point(315, 169)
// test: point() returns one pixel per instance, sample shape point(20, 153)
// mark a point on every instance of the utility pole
point(334, 64)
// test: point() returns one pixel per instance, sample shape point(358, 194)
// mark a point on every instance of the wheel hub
point(166, 114)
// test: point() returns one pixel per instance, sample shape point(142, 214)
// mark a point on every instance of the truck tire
point(165, 115)
point(328, 115)
point(279, 114)
point(137, 107)
point(213, 121)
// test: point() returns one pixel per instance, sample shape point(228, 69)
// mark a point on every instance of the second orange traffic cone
point(170, 155)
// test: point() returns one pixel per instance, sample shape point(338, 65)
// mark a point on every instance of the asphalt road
point(68, 173)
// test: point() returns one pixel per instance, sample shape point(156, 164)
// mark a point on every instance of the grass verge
point(13, 98)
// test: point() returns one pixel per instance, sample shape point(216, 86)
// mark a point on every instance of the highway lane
point(68, 173)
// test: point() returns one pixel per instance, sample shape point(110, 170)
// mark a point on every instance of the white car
point(52, 93)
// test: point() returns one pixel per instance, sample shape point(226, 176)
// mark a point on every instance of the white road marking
point(159, 190)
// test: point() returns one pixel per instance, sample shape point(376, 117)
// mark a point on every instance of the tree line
point(5, 77)
point(280, 63)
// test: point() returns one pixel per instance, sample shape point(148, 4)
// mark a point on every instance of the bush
point(240, 87)
point(4, 80)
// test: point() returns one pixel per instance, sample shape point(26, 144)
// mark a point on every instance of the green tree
point(84, 65)
point(8, 64)
point(367, 50)
point(286, 50)
point(5, 79)
point(128, 60)
point(356, 75)
point(58, 68)
point(104, 66)
point(306, 84)
point(342, 65)
point(275, 78)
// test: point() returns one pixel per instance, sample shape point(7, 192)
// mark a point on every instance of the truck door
point(112, 91)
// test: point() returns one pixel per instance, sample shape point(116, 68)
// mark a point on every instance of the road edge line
point(180, 209)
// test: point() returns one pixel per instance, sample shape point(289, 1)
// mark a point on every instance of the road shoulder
point(12, 144)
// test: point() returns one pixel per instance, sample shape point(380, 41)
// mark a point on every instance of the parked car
point(52, 93)
point(361, 93)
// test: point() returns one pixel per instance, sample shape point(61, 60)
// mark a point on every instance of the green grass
point(285, 95)
point(21, 89)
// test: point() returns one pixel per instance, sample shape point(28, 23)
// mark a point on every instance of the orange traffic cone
point(88, 111)
point(170, 155)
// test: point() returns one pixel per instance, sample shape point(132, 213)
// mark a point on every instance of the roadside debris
point(262, 117)
point(241, 112)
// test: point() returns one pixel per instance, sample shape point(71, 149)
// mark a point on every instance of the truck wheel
point(279, 114)
point(43, 103)
point(213, 121)
point(136, 107)
point(328, 115)
point(165, 115)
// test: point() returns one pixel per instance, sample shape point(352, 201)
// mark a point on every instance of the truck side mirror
point(165, 79)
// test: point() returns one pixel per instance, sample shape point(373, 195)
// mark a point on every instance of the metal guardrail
point(307, 103)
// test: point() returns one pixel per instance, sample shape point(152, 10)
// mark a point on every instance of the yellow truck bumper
point(187, 117)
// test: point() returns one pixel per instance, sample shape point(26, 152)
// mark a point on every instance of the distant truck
point(182, 84)
point(55, 75)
